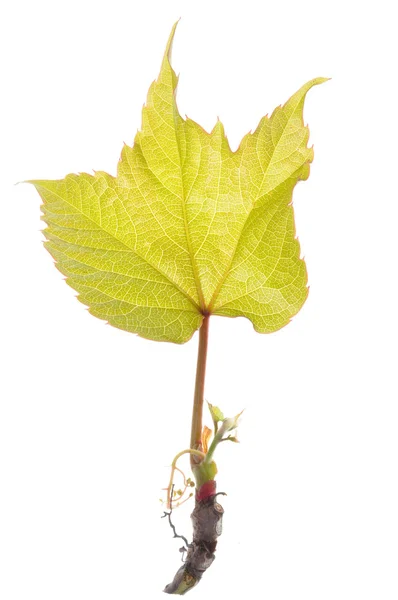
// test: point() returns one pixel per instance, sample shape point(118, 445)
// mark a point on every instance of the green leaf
point(216, 415)
point(187, 227)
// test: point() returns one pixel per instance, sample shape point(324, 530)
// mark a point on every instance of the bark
point(207, 526)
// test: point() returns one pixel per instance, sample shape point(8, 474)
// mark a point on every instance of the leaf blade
point(187, 227)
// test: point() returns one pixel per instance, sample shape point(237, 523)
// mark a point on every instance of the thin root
point(168, 514)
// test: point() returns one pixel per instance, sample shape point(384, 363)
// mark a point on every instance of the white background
point(91, 416)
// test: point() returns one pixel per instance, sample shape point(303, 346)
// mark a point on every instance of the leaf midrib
point(183, 197)
point(184, 209)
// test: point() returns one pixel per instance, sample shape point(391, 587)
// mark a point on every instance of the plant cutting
point(188, 230)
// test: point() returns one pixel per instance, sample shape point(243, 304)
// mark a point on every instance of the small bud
point(229, 424)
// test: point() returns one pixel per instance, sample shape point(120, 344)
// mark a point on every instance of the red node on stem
point(206, 490)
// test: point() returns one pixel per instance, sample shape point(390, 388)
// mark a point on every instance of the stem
point(213, 446)
point(196, 431)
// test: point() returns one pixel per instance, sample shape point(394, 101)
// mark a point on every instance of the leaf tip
point(169, 45)
point(318, 81)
